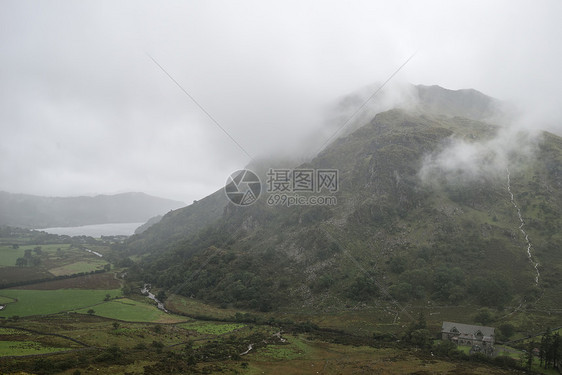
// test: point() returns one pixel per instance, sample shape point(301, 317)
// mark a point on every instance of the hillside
point(31, 211)
point(407, 228)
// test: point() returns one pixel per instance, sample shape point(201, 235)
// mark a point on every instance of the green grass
point(211, 328)
point(295, 348)
point(10, 331)
point(194, 307)
point(18, 348)
point(78, 267)
point(43, 302)
point(508, 352)
point(464, 349)
point(537, 339)
point(5, 300)
point(132, 311)
point(8, 255)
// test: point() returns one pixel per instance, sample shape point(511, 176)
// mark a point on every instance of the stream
point(146, 291)
point(94, 252)
point(529, 246)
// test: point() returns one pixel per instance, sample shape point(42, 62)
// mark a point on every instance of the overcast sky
point(84, 110)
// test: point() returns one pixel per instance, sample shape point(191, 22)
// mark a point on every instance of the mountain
point(433, 205)
point(31, 211)
point(148, 224)
point(467, 103)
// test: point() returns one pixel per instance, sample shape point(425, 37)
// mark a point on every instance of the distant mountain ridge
point(467, 103)
point(31, 211)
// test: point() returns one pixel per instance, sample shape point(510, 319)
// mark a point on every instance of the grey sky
point(83, 110)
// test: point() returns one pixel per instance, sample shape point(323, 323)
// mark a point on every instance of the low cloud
point(462, 160)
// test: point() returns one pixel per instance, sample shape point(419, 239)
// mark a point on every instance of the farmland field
point(19, 348)
point(8, 255)
point(4, 300)
point(194, 307)
point(211, 328)
point(45, 262)
point(22, 274)
point(78, 267)
point(122, 335)
point(16, 342)
point(104, 280)
point(132, 311)
point(42, 302)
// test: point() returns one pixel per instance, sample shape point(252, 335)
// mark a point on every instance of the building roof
point(467, 329)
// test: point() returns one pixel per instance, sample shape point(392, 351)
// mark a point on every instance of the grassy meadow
point(44, 302)
point(126, 309)
point(50, 260)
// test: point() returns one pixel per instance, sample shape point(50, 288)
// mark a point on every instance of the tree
point(418, 334)
point(420, 323)
point(491, 291)
point(35, 261)
point(401, 292)
point(545, 349)
point(91, 312)
point(116, 325)
point(444, 281)
point(363, 288)
point(127, 290)
point(420, 338)
point(507, 330)
point(21, 262)
point(398, 264)
point(15, 246)
point(484, 316)
point(114, 352)
point(161, 295)
point(158, 345)
point(529, 355)
point(556, 350)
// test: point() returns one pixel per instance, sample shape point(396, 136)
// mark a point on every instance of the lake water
point(96, 230)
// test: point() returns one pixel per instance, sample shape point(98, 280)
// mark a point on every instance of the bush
point(140, 346)
point(484, 316)
point(420, 338)
point(507, 330)
point(444, 348)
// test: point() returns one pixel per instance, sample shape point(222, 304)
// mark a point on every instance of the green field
point(50, 260)
point(211, 328)
point(10, 331)
point(295, 348)
point(43, 302)
point(132, 311)
point(194, 307)
point(19, 348)
point(5, 300)
point(8, 255)
point(78, 267)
